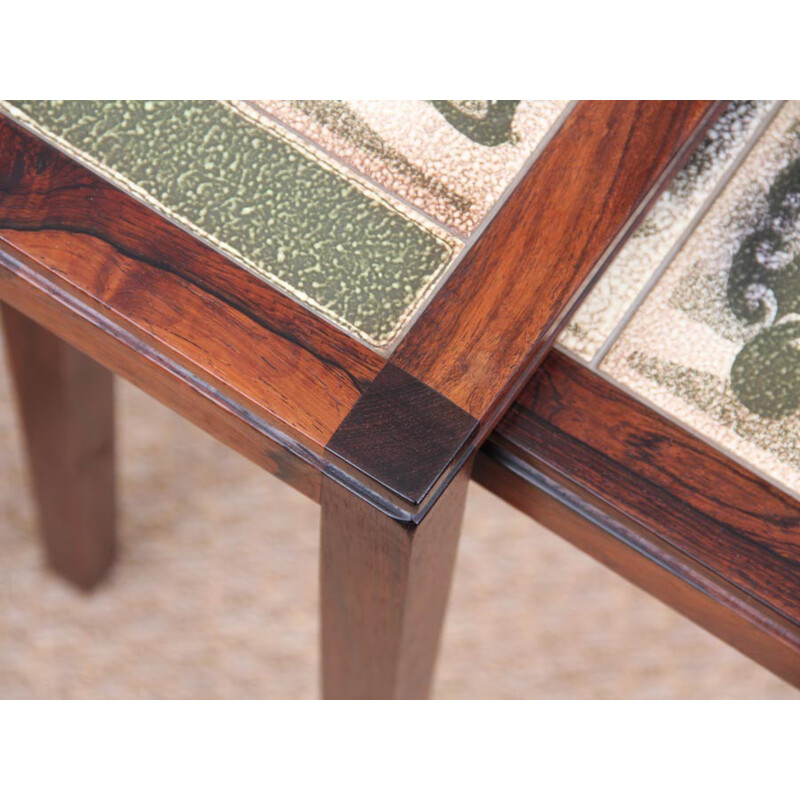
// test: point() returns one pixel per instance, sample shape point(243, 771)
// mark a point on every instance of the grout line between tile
point(711, 198)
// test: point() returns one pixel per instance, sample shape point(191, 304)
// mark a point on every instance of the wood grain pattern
point(656, 504)
point(137, 358)
point(497, 315)
point(279, 385)
point(384, 590)
point(500, 310)
point(66, 403)
point(272, 354)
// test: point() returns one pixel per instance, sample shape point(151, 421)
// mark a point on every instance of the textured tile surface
point(665, 224)
point(717, 341)
point(452, 159)
point(354, 247)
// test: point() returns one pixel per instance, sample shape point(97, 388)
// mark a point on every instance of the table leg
point(384, 590)
point(66, 403)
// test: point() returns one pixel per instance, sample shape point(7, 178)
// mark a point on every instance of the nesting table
point(589, 307)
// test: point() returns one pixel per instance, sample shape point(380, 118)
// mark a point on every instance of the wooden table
point(352, 295)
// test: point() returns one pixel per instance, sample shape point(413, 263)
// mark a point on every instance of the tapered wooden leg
point(67, 408)
point(384, 590)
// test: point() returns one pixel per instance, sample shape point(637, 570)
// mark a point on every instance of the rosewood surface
point(307, 402)
point(161, 282)
point(656, 504)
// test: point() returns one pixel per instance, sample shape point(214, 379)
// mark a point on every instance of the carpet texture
point(214, 594)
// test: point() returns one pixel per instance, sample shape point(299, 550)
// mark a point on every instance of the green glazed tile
point(282, 210)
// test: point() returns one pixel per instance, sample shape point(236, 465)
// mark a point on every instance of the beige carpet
point(214, 595)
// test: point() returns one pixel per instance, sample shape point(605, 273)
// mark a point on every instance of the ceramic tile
point(669, 219)
point(716, 343)
point(278, 206)
point(450, 159)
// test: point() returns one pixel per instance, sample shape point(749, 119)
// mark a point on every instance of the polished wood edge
point(644, 559)
point(405, 486)
point(127, 257)
point(656, 504)
point(146, 363)
point(131, 356)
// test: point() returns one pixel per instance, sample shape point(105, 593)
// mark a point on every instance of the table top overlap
point(698, 315)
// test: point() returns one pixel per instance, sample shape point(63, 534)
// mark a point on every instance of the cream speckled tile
point(665, 224)
point(716, 342)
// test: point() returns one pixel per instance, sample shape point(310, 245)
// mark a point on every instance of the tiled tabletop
point(698, 315)
point(356, 209)
point(359, 209)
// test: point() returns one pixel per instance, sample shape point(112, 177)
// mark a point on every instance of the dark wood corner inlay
point(402, 434)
